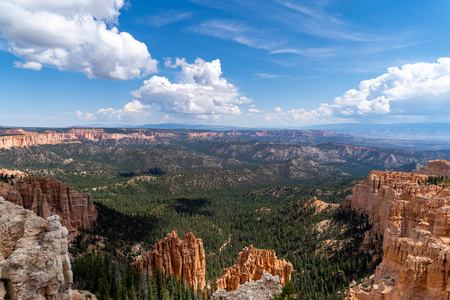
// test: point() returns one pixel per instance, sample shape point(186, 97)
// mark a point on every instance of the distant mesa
point(252, 263)
point(46, 197)
point(413, 217)
point(26, 139)
point(172, 256)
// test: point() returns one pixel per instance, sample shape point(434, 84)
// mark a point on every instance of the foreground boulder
point(47, 196)
point(414, 219)
point(34, 263)
point(183, 259)
point(251, 265)
point(264, 289)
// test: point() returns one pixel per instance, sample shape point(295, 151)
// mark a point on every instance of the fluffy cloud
point(199, 89)
point(29, 65)
point(76, 35)
point(410, 82)
point(407, 85)
point(131, 112)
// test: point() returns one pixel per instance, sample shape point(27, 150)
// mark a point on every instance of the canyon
point(47, 196)
point(252, 263)
point(34, 261)
point(413, 217)
point(172, 256)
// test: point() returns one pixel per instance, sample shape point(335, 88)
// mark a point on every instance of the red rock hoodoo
point(46, 197)
point(251, 265)
point(414, 219)
point(184, 259)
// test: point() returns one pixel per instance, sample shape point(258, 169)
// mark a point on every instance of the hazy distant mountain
point(409, 131)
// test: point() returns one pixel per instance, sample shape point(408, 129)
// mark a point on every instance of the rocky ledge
point(264, 289)
point(34, 263)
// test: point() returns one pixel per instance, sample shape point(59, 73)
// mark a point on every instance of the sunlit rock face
point(34, 262)
point(251, 265)
point(27, 139)
point(439, 167)
point(414, 219)
point(184, 259)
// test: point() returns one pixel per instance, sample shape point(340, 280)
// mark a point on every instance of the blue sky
point(245, 63)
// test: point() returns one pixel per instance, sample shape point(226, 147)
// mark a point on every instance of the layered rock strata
point(52, 137)
point(265, 288)
point(251, 265)
point(34, 263)
point(46, 197)
point(184, 259)
point(414, 220)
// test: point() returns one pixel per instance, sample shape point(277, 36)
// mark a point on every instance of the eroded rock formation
point(46, 197)
point(51, 137)
point(184, 259)
point(265, 288)
point(439, 167)
point(320, 205)
point(34, 263)
point(414, 219)
point(251, 265)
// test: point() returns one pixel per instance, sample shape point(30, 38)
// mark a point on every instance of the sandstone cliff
point(184, 259)
point(265, 288)
point(251, 265)
point(440, 167)
point(33, 256)
point(51, 137)
point(46, 197)
point(414, 220)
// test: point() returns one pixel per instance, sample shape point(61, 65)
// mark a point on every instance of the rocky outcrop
point(251, 265)
point(439, 167)
point(94, 135)
point(34, 263)
point(414, 220)
point(320, 205)
point(46, 197)
point(184, 259)
point(10, 174)
point(265, 288)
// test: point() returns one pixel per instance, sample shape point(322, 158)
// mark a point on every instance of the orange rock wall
point(184, 259)
point(46, 197)
point(414, 220)
point(52, 138)
point(251, 265)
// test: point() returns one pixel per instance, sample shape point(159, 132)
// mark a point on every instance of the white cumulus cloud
point(410, 86)
point(28, 65)
point(73, 34)
point(132, 111)
point(410, 82)
point(199, 89)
